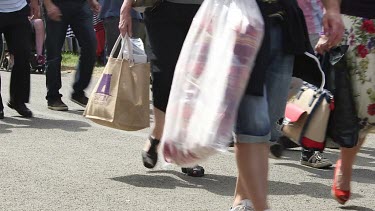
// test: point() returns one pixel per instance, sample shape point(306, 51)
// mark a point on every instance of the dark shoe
point(314, 159)
point(231, 144)
point(1, 114)
point(287, 143)
point(150, 157)
point(21, 109)
point(81, 100)
point(276, 150)
point(197, 171)
point(57, 105)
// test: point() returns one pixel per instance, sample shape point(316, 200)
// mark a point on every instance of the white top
point(12, 5)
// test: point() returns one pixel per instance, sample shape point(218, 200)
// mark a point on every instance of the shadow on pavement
point(216, 184)
point(4, 128)
point(221, 185)
point(365, 176)
point(318, 173)
point(77, 112)
point(368, 151)
point(311, 189)
point(40, 123)
point(356, 208)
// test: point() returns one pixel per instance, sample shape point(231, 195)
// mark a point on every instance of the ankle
point(342, 180)
point(238, 200)
point(264, 207)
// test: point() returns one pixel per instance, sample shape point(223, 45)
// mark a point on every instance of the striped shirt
point(7, 6)
point(69, 32)
point(313, 10)
point(98, 23)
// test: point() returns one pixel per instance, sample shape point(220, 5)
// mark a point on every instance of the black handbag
point(343, 126)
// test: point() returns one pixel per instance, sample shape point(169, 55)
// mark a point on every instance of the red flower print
point(368, 26)
point(371, 109)
point(362, 51)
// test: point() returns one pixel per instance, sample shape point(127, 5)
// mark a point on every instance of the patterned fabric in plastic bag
point(210, 78)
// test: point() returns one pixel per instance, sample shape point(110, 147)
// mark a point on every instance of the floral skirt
point(360, 36)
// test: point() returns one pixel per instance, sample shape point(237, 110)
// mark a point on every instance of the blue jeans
point(78, 15)
point(258, 115)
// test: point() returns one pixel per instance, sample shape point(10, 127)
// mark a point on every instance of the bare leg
point(150, 150)
point(252, 182)
point(39, 36)
point(347, 157)
point(157, 130)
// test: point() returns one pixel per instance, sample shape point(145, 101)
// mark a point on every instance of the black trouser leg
point(1, 100)
point(17, 36)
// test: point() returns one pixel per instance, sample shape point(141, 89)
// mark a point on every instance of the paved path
point(62, 161)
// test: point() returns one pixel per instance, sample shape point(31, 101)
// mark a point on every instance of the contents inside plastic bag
point(210, 78)
point(139, 53)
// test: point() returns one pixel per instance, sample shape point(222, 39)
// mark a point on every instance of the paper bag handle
point(125, 43)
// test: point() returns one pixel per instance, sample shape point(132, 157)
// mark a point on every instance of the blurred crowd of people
point(292, 28)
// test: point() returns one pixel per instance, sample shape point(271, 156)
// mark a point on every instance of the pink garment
point(313, 10)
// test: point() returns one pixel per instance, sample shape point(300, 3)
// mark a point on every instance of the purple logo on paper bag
point(105, 84)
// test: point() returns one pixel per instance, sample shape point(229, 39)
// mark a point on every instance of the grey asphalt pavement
point(62, 161)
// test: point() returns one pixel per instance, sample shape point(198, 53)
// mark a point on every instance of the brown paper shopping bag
point(120, 99)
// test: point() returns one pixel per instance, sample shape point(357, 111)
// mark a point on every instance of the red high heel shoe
point(341, 196)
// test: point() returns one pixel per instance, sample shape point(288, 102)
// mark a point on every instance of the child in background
point(37, 25)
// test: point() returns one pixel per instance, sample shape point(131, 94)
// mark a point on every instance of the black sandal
point(196, 171)
point(150, 157)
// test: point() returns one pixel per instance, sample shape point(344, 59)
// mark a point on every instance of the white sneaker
point(244, 205)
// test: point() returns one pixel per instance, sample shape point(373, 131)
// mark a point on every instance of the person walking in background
point(264, 102)
point(1, 57)
point(15, 25)
point(40, 34)
point(77, 14)
point(265, 98)
point(360, 36)
point(313, 13)
point(1, 103)
point(167, 25)
point(100, 38)
point(38, 26)
point(110, 14)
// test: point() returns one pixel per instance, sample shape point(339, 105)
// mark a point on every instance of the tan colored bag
point(120, 99)
point(307, 115)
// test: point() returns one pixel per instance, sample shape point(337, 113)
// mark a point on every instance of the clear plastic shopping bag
point(210, 78)
point(139, 54)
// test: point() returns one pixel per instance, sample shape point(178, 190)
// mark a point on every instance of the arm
point(95, 6)
point(53, 11)
point(332, 22)
point(35, 9)
point(125, 25)
point(332, 5)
